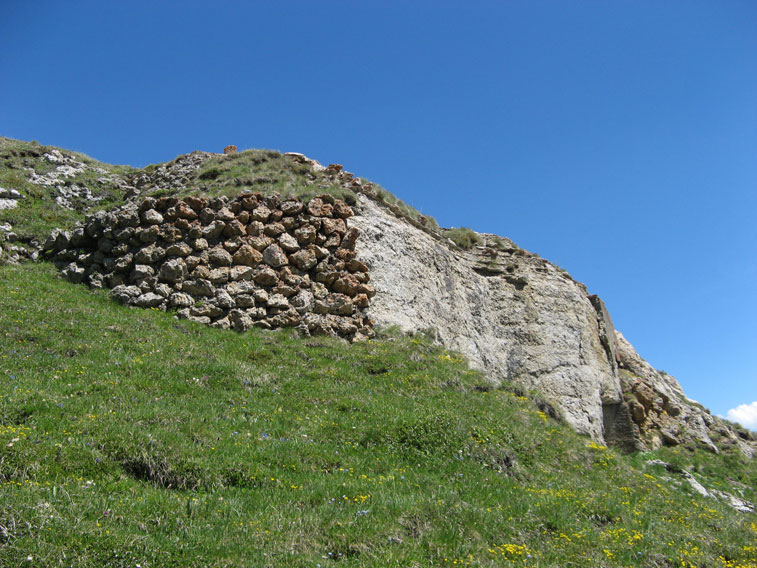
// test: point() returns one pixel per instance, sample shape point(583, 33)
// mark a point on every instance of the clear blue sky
point(617, 139)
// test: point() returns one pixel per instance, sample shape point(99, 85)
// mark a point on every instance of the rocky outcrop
point(512, 314)
point(9, 198)
point(735, 502)
point(521, 319)
point(67, 168)
point(662, 412)
point(170, 175)
point(251, 261)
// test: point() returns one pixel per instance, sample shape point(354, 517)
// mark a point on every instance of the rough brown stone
point(261, 213)
point(288, 243)
point(248, 256)
point(305, 234)
point(225, 214)
point(319, 208)
point(342, 210)
point(329, 226)
point(149, 254)
point(274, 256)
point(241, 273)
point(232, 245)
point(266, 276)
point(234, 228)
point(355, 265)
point(260, 243)
point(184, 211)
point(350, 238)
point(171, 234)
point(199, 287)
point(291, 207)
point(255, 228)
point(173, 271)
point(207, 216)
point(220, 257)
point(200, 271)
point(304, 259)
point(366, 289)
point(274, 229)
point(151, 217)
point(196, 203)
point(219, 275)
point(180, 300)
point(346, 284)
point(179, 249)
point(214, 230)
point(200, 244)
point(148, 234)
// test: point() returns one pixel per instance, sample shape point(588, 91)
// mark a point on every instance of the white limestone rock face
point(514, 315)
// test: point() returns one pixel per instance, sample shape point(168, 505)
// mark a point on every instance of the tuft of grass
point(463, 237)
point(129, 437)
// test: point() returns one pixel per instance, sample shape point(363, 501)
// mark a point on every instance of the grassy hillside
point(129, 438)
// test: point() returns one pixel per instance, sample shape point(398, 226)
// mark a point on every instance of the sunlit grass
point(129, 437)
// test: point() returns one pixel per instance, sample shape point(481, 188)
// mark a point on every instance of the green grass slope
point(129, 438)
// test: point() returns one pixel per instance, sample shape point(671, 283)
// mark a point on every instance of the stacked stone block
point(231, 263)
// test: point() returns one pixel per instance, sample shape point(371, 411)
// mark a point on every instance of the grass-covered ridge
point(25, 165)
point(265, 171)
point(128, 437)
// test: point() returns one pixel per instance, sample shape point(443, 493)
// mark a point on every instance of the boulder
point(305, 234)
point(240, 320)
point(303, 301)
point(141, 271)
point(342, 210)
point(237, 273)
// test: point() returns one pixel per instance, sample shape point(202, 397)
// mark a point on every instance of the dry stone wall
point(231, 263)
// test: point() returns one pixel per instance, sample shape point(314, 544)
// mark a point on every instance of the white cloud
point(745, 414)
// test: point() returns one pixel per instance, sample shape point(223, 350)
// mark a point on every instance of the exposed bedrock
point(514, 315)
